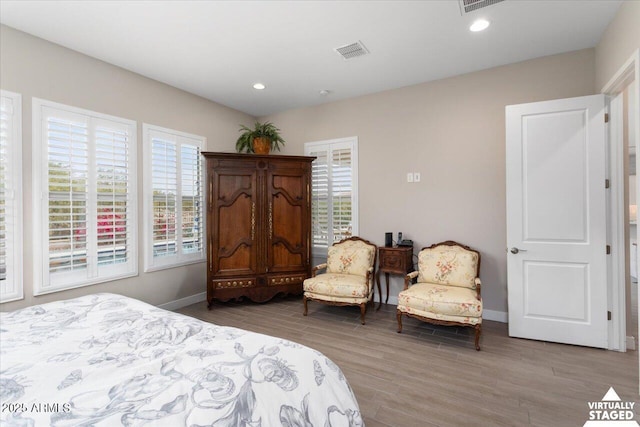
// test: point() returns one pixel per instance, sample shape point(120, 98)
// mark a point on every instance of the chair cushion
point(342, 300)
point(337, 285)
point(452, 301)
point(350, 257)
point(448, 265)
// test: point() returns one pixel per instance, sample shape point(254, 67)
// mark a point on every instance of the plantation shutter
point(320, 199)
point(88, 188)
point(192, 199)
point(333, 190)
point(113, 195)
point(68, 184)
point(165, 189)
point(10, 199)
point(341, 192)
point(175, 173)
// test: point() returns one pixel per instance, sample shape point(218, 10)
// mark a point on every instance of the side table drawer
point(390, 260)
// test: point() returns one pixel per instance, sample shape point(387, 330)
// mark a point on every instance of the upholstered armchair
point(348, 279)
point(447, 291)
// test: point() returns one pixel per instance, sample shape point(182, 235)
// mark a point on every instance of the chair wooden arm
point(478, 286)
point(318, 267)
point(408, 278)
point(369, 278)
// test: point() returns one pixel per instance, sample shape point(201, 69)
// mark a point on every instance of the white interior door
point(556, 221)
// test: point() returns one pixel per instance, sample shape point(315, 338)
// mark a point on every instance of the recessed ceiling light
point(324, 92)
point(259, 86)
point(479, 25)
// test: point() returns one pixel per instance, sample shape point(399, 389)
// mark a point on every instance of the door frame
point(628, 73)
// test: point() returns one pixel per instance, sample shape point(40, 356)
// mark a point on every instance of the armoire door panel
point(235, 222)
point(238, 262)
point(287, 227)
point(231, 185)
point(286, 257)
point(287, 221)
point(291, 185)
point(287, 241)
point(237, 213)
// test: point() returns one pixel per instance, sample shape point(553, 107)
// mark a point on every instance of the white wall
point(619, 41)
point(36, 68)
point(452, 131)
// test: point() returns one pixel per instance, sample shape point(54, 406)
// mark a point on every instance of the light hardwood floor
point(432, 376)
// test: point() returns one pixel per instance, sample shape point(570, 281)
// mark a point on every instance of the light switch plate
point(416, 177)
point(409, 177)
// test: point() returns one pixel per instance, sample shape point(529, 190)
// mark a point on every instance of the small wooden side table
point(396, 260)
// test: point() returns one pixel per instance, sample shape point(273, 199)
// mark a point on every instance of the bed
point(105, 360)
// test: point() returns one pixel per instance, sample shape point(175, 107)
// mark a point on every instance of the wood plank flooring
point(432, 376)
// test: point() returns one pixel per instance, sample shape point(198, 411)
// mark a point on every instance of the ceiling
point(219, 49)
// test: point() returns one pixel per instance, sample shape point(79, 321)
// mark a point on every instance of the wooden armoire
point(258, 225)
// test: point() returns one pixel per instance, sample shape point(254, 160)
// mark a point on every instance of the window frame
point(42, 274)
point(329, 146)
point(152, 263)
point(14, 235)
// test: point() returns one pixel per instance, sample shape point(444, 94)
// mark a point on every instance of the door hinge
point(607, 183)
point(608, 250)
point(606, 117)
point(608, 315)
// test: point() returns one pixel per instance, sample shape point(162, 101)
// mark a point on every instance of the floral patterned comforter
point(105, 360)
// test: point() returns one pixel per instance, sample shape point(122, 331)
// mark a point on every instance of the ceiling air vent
point(352, 50)
point(467, 6)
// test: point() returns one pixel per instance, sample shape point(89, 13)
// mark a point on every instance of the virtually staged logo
point(611, 411)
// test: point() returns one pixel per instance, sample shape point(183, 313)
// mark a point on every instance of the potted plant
point(263, 138)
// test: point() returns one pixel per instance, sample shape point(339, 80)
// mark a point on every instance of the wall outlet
point(416, 177)
point(409, 177)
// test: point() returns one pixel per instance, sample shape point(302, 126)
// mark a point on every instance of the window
point(10, 196)
point(334, 177)
point(84, 167)
point(174, 194)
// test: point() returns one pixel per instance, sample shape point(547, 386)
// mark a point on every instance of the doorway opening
point(630, 115)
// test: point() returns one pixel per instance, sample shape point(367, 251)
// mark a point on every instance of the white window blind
point(174, 187)
point(85, 175)
point(10, 196)
point(334, 191)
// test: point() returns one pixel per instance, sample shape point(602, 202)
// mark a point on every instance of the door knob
point(515, 250)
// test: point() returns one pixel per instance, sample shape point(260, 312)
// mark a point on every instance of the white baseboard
point(496, 316)
point(183, 302)
point(631, 343)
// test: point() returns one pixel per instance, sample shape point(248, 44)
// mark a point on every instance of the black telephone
point(404, 242)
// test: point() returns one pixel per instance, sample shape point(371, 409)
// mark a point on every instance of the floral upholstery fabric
point(441, 302)
point(350, 257)
point(337, 285)
point(448, 300)
point(448, 265)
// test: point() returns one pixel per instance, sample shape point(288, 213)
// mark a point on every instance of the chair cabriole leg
point(363, 310)
point(304, 300)
point(399, 317)
point(478, 329)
